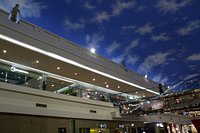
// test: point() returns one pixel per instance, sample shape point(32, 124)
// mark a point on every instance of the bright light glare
point(93, 50)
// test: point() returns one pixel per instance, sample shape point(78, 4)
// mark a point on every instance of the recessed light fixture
point(76, 74)
point(93, 79)
point(136, 92)
point(107, 86)
point(58, 68)
point(37, 61)
point(105, 83)
point(144, 96)
point(146, 76)
point(118, 87)
point(132, 124)
point(4, 51)
point(52, 85)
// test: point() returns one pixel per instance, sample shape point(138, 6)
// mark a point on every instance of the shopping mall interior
point(50, 85)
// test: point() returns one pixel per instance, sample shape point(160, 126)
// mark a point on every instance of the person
point(15, 10)
point(102, 98)
point(160, 89)
point(44, 85)
point(124, 65)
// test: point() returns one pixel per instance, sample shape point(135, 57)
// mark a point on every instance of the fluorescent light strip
point(14, 69)
point(58, 57)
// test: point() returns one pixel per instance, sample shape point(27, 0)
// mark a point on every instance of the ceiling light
point(92, 50)
point(144, 96)
point(58, 68)
point(136, 92)
point(107, 86)
point(93, 79)
point(146, 76)
point(52, 85)
point(131, 97)
point(4, 51)
point(75, 73)
point(39, 78)
point(105, 83)
point(118, 87)
point(37, 61)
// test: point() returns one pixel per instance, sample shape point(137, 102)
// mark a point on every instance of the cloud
point(141, 8)
point(133, 44)
point(127, 28)
point(73, 25)
point(193, 25)
point(160, 78)
point(194, 57)
point(147, 28)
point(120, 6)
point(153, 60)
point(118, 59)
point(157, 78)
point(126, 56)
point(68, 1)
point(87, 5)
point(94, 40)
point(130, 27)
point(132, 59)
point(114, 46)
point(171, 6)
point(191, 76)
point(160, 37)
point(164, 80)
point(100, 17)
point(28, 8)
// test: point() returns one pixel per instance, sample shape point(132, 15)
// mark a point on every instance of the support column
point(196, 124)
point(170, 128)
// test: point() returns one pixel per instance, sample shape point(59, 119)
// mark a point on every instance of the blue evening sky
point(159, 38)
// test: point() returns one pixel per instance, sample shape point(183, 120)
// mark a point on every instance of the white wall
point(22, 100)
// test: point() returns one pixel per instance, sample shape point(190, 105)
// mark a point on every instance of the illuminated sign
point(103, 125)
point(121, 126)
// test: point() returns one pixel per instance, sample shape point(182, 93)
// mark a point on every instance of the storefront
point(93, 126)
